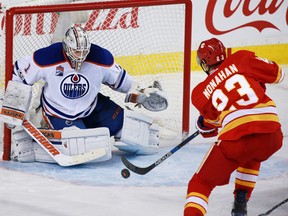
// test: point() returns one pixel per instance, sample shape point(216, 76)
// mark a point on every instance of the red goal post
point(136, 59)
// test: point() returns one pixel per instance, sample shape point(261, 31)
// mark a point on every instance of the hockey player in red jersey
point(232, 99)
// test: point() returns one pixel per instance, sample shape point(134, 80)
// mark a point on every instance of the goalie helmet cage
point(153, 42)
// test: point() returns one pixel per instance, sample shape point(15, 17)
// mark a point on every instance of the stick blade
point(136, 169)
point(66, 160)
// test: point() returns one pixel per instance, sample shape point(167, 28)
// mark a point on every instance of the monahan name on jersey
point(219, 77)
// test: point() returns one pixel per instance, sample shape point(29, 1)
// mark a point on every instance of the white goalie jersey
point(67, 93)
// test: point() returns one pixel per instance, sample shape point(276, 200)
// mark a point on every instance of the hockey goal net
point(151, 39)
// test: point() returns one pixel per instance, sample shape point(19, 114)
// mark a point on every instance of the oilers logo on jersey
point(74, 86)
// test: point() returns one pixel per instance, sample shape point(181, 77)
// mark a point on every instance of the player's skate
point(240, 204)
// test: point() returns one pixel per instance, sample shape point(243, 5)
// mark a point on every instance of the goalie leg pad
point(137, 135)
point(23, 150)
point(41, 155)
point(77, 141)
point(26, 150)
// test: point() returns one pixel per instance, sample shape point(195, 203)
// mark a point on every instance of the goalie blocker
point(16, 102)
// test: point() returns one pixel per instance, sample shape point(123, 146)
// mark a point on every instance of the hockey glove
point(151, 98)
point(204, 130)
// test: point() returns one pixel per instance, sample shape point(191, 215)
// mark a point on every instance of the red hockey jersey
point(233, 96)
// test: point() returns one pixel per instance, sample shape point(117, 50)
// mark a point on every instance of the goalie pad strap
point(51, 134)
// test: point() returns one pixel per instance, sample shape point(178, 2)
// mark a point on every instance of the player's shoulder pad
point(50, 55)
point(244, 53)
point(242, 57)
point(100, 56)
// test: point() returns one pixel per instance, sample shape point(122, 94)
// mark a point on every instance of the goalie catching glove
point(205, 130)
point(151, 98)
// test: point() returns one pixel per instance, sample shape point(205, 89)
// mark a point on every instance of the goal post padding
point(151, 39)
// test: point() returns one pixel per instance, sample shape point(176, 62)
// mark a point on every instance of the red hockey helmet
point(210, 52)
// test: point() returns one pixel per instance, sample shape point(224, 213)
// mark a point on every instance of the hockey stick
point(61, 159)
point(272, 209)
point(144, 170)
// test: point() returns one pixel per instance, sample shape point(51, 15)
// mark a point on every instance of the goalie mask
point(210, 53)
point(76, 45)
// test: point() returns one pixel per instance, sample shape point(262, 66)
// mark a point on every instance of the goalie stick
point(61, 159)
point(144, 170)
point(272, 209)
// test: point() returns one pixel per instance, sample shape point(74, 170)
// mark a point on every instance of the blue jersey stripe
point(66, 116)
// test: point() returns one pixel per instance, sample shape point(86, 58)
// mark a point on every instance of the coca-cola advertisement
point(241, 22)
